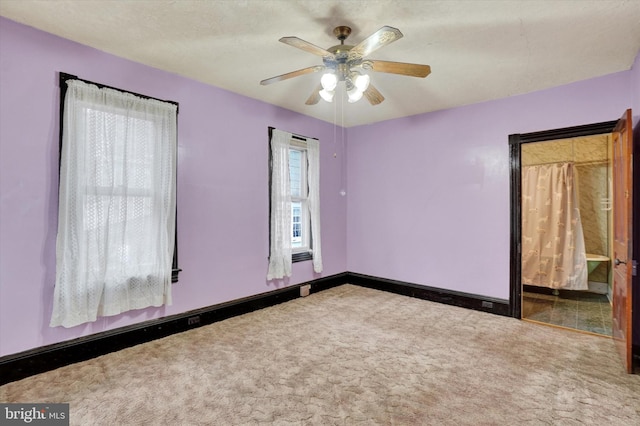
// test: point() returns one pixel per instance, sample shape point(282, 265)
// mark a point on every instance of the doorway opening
point(583, 304)
point(566, 238)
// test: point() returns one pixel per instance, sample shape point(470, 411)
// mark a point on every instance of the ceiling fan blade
point(306, 46)
point(373, 96)
point(315, 96)
point(375, 41)
point(412, 70)
point(292, 74)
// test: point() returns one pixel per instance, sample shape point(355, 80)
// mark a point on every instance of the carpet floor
point(350, 356)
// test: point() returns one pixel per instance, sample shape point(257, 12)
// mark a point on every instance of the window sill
point(301, 257)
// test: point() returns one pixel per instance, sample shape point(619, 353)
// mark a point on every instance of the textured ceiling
point(477, 50)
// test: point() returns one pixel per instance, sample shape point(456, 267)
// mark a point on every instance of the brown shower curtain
point(553, 249)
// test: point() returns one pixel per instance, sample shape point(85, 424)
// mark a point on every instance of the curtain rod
point(65, 76)
point(293, 135)
point(577, 163)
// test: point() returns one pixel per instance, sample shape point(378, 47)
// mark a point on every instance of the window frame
point(302, 199)
point(63, 77)
point(305, 252)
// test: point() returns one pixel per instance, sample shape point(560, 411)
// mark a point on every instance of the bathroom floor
point(573, 309)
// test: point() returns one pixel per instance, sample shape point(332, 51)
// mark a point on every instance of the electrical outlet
point(193, 320)
point(304, 290)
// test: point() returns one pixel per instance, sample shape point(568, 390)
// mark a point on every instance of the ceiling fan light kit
point(345, 63)
point(356, 85)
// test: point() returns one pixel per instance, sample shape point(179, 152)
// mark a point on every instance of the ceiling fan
point(346, 63)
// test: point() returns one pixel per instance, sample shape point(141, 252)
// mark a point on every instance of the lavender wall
point(428, 195)
point(222, 185)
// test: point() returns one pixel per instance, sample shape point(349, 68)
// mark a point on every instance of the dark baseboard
point(24, 364)
point(448, 297)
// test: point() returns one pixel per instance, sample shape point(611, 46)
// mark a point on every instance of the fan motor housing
point(339, 63)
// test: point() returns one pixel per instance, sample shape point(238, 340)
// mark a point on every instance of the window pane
point(295, 172)
point(296, 216)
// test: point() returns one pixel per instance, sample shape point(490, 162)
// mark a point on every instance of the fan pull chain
point(343, 191)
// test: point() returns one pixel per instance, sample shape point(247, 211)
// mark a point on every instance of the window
point(295, 203)
point(117, 213)
point(296, 214)
point(300, 230)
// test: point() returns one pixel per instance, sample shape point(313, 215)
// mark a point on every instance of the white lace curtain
point(280, 217)
point(281, 222)
point(553, 248)
point(116, 222)
point(313, 155)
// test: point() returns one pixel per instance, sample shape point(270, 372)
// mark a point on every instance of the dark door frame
point(515, 148)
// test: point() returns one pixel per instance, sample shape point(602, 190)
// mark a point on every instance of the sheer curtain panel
point(116, 222)
point(280, 217)
point(313, 155)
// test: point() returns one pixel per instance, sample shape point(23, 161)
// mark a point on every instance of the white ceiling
point(478, 50)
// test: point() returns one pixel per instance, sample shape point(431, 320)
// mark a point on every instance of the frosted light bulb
point(362, 82)
point(326, 95)
point(329, 81)
point(354, 95)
